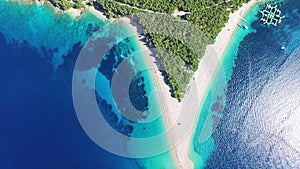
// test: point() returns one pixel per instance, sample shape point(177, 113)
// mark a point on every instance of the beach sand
point(208, 66)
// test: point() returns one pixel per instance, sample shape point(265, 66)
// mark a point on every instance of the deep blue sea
point(39, 128)
point(260, 125)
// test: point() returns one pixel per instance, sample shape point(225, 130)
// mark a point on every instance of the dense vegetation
point(182, 58)
point(113, 9)
point(210, 15)
point(67, 4)
point(178, 51)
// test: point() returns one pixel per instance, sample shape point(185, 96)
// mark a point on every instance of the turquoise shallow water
point(254, 129)
point(38, 38)
point(44, 22)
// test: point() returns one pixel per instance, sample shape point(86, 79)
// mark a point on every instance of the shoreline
point(231, 26)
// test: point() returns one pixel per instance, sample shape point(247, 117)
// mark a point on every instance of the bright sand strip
point(203, 76)
point(78, 12)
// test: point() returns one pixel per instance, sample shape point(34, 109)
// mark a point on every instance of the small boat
point(283, 48)
point(245, 27)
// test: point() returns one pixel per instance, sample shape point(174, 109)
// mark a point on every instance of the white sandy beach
point(77, 12)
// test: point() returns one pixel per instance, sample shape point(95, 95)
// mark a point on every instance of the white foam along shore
point(202, 78)
point(208, 66)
